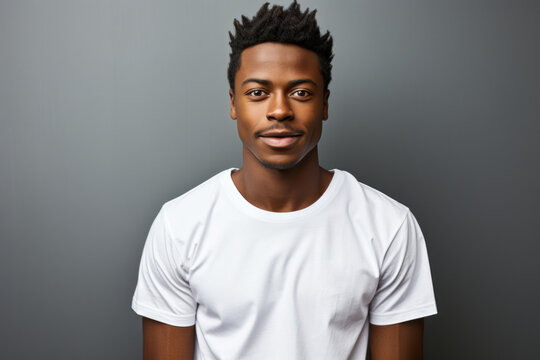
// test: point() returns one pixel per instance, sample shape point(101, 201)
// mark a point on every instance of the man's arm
point(166, 342)
point(401, 341)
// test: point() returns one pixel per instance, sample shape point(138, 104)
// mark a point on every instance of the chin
point(278, 166)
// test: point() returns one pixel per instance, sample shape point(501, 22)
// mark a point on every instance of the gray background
point(110, 108)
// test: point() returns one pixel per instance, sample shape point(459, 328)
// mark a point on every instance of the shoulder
point(370, 198)
point(376, 211)
point(195, 205)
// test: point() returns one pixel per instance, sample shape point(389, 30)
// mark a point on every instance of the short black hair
point(289, 26)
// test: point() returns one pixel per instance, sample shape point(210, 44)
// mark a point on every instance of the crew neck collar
point(249, 209)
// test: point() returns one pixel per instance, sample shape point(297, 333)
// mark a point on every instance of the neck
point(282, 190)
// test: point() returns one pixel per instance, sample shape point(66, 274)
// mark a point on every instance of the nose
point(279, 108)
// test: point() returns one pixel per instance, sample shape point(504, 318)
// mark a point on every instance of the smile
point(281, 140)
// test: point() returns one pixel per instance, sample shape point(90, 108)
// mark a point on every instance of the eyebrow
point(268, 82)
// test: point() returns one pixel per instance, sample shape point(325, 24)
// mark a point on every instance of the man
point(282, 259)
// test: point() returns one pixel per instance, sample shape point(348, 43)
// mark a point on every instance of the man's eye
point(256, 93)
point(301, 93)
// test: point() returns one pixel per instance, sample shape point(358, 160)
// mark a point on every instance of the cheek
point(245, 127)
point(248, 110)
point(317, 131)
point(243, 130)
point(250, 117)
point(313, 117)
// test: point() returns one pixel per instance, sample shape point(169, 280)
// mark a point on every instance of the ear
point(325, 104)
point(233, 107)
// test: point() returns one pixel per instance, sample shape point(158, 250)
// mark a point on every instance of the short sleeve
point(162, 291)
point(405, 290)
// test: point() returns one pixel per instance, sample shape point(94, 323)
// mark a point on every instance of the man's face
point(279, 103)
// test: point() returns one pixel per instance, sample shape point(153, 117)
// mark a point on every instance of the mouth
point(280, 139)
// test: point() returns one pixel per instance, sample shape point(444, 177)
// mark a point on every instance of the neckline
point(265, 215)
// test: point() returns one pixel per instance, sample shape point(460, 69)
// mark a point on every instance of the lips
point(280, 139)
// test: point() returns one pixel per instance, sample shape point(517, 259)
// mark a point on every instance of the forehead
point(276, 61)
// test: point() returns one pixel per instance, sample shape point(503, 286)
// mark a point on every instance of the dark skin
point(279, 90)
point(166, 342)
point(279, 102)
point(400, 341)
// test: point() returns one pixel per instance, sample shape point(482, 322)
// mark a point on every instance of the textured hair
point(289, 26)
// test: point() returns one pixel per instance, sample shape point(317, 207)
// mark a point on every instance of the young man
point(283, 259)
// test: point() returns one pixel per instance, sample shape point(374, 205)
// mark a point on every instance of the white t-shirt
point(290, 285)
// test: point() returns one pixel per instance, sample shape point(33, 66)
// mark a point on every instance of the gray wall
point(110, 108)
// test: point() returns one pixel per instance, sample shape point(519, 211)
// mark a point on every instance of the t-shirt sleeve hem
point(170, 319)
point(398, 317)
